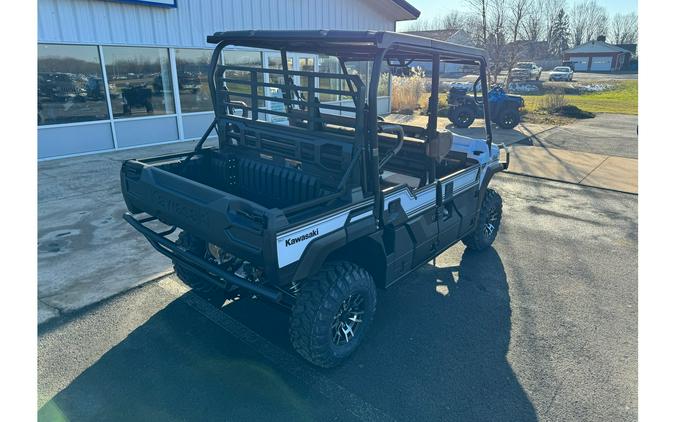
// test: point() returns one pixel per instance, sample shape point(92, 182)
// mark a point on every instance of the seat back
point(275, 186)
point(264, 182)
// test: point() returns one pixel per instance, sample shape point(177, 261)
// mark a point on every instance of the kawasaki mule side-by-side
point(311, 199)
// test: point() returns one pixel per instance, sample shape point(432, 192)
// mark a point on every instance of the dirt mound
point(572, 111)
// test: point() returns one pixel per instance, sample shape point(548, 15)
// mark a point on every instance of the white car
point(561, 73)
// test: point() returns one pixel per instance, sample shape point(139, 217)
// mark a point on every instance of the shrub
point(553, 100)
point(406, 91)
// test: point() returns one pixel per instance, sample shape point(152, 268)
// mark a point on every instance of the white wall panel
point(110, 22)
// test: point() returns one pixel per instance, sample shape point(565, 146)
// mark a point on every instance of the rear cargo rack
point(200, 266)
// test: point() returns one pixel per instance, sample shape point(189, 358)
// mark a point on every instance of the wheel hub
point(491, 223)
point(348, 320)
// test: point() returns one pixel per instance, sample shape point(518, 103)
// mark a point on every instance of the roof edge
point(403, 4)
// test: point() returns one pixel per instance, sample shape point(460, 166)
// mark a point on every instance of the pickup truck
point(525, 71)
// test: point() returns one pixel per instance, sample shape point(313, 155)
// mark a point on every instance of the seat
point(264, 182)
point(275, 186)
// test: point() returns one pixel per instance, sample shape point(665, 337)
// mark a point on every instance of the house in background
point(599, 56)
point(455, 36)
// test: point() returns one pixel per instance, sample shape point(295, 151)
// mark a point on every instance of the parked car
point(561, 73)
point(526, 71)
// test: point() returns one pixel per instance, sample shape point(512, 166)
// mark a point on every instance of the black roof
point(350, 44)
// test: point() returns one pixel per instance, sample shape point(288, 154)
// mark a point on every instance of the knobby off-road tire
point(339, 300)
point(198, 284)
point(508, 118)
point(463, 116)
point(489, 219)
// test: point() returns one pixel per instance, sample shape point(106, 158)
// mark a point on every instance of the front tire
point(463, 117)
point(332, 313)
point(489, 220)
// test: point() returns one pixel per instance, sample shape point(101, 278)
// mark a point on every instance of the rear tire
point(197, 283)
point(332, 313)
point(463, 116)
point(489, 220)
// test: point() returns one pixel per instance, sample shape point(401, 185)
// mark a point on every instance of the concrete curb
point(55, 315)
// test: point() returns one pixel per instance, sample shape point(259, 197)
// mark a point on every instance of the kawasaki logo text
point(294, 240)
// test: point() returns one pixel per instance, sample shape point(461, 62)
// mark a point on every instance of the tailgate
point(242, 227)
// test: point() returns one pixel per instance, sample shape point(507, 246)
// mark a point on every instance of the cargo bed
point(238, 203)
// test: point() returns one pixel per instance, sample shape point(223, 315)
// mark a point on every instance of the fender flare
point(316, 253)
point(490, 170)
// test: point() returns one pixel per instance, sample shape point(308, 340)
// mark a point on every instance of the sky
point(433, 8)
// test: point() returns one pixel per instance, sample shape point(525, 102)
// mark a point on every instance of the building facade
point(122, 74)
point(598, 56)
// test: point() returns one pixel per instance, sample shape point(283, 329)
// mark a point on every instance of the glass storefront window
point(139, 79)
point(70, 84)
point(330, 64)
point(192, 68)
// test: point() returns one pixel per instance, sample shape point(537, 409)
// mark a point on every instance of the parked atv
point(464, 108)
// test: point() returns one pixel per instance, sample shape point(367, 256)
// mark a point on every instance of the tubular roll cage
point(346, 46)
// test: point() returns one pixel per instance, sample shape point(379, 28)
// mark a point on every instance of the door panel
point(601, 64)
point(410, 215)
point(424, 230)
point(580, 64)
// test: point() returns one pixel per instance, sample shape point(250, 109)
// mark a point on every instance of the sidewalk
point(584, 168)
point(86, 251)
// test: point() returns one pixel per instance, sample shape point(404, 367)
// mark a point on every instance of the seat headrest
point(440, 146)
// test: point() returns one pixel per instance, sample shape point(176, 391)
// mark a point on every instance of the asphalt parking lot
point(541, 327)
point(609, 134)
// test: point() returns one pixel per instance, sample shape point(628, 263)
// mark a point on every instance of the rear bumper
point(200, 266)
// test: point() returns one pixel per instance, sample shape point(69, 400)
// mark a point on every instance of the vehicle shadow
point(436, 351)
point(438, 347)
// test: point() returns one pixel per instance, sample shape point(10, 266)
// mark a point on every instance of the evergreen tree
point(560, 33)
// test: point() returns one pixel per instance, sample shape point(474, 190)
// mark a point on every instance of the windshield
point(561, 69)
point(523, 65)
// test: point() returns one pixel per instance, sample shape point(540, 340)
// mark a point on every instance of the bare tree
point(549, 12)
point(624, 28)
point(496, 31)
point(517, 11)
point(452, 20)
point(533, 24)
point(480, 8)
point(588, 20)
